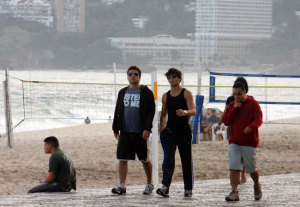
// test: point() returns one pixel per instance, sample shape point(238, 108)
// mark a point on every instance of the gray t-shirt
point(132, 110)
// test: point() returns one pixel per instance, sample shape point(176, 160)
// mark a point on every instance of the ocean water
point(63, 102)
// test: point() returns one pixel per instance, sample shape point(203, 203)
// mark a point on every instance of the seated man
point(62, 174)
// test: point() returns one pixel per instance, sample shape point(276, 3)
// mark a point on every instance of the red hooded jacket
point(248, 115)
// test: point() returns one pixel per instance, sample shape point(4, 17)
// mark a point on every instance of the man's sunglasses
point(131, 74)
point(171, 76)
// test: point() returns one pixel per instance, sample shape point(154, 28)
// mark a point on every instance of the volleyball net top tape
point(266, 89)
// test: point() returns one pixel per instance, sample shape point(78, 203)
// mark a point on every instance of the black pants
point(169, 141)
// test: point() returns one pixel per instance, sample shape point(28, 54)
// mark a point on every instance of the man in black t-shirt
point(62, 174)
point(132, 124)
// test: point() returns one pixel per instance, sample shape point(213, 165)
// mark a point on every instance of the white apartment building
point(224, 27)
point(158, 50)
point(111, 2)
point(139, 22)
point(30, 10)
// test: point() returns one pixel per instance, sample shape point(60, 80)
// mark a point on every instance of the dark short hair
point(52, 140)
point(133, 67)
point(239, 85)
point(175, 71)
point(244, 81)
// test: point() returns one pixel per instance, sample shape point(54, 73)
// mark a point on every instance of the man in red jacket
point(245, 116)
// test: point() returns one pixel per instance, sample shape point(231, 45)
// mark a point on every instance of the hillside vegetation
point(31, 45)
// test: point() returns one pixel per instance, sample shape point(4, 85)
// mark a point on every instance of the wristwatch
point(184, 111)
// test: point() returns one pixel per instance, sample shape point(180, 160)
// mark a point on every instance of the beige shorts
point(240, 156)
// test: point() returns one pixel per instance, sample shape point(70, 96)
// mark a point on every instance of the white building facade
point(111, 2)
point(225, 27)
point(160, 50)
point(30, 10)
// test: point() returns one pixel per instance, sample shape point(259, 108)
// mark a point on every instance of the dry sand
point(93, 150)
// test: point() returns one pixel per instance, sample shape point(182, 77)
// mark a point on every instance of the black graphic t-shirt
point(132, 110)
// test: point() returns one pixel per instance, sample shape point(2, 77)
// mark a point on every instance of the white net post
point(115, 81)
point(155, 133)
point(182, 78)
point(266, 99)
point(199, 77)
point(8, 119)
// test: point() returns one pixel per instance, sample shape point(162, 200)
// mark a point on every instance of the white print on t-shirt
point(132, 99)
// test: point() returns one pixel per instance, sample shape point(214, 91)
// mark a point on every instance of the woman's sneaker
point(233, 196)
point(149, 188)
point(257, 192)
point(163, 191)
point(119, 190)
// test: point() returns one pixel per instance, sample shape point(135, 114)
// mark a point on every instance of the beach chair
point(221, 132)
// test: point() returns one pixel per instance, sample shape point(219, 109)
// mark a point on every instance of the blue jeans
point(47, 187)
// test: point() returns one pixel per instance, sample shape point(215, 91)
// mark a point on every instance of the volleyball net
point(69, 100)
point(279, 97)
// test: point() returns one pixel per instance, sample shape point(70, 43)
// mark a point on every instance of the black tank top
point(176, 123)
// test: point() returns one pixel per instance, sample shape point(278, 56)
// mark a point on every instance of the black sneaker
point(257, 192)
point(188, 193)
point(163, 191)
point(119, 190)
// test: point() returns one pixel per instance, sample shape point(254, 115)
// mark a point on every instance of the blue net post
point(212, 89)
point(197, 117)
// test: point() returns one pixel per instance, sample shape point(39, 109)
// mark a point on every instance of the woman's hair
point(243, 81)
point(240, 85)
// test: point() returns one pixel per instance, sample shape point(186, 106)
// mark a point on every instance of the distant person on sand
point(134, 113)
point(228, 101)
point(245, 117)
point(62, 174)
point(177, 105)
point(87, 120)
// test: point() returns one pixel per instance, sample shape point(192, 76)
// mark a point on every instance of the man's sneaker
point(163, 191)
point(149, 188)
point(119, 190)
point(257, 192)
point(188, 193)
point(233, 196)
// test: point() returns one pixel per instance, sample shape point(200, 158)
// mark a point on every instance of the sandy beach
point(93, 149)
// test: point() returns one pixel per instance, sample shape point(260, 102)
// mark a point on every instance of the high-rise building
point(224, 27)
point(70, 15)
